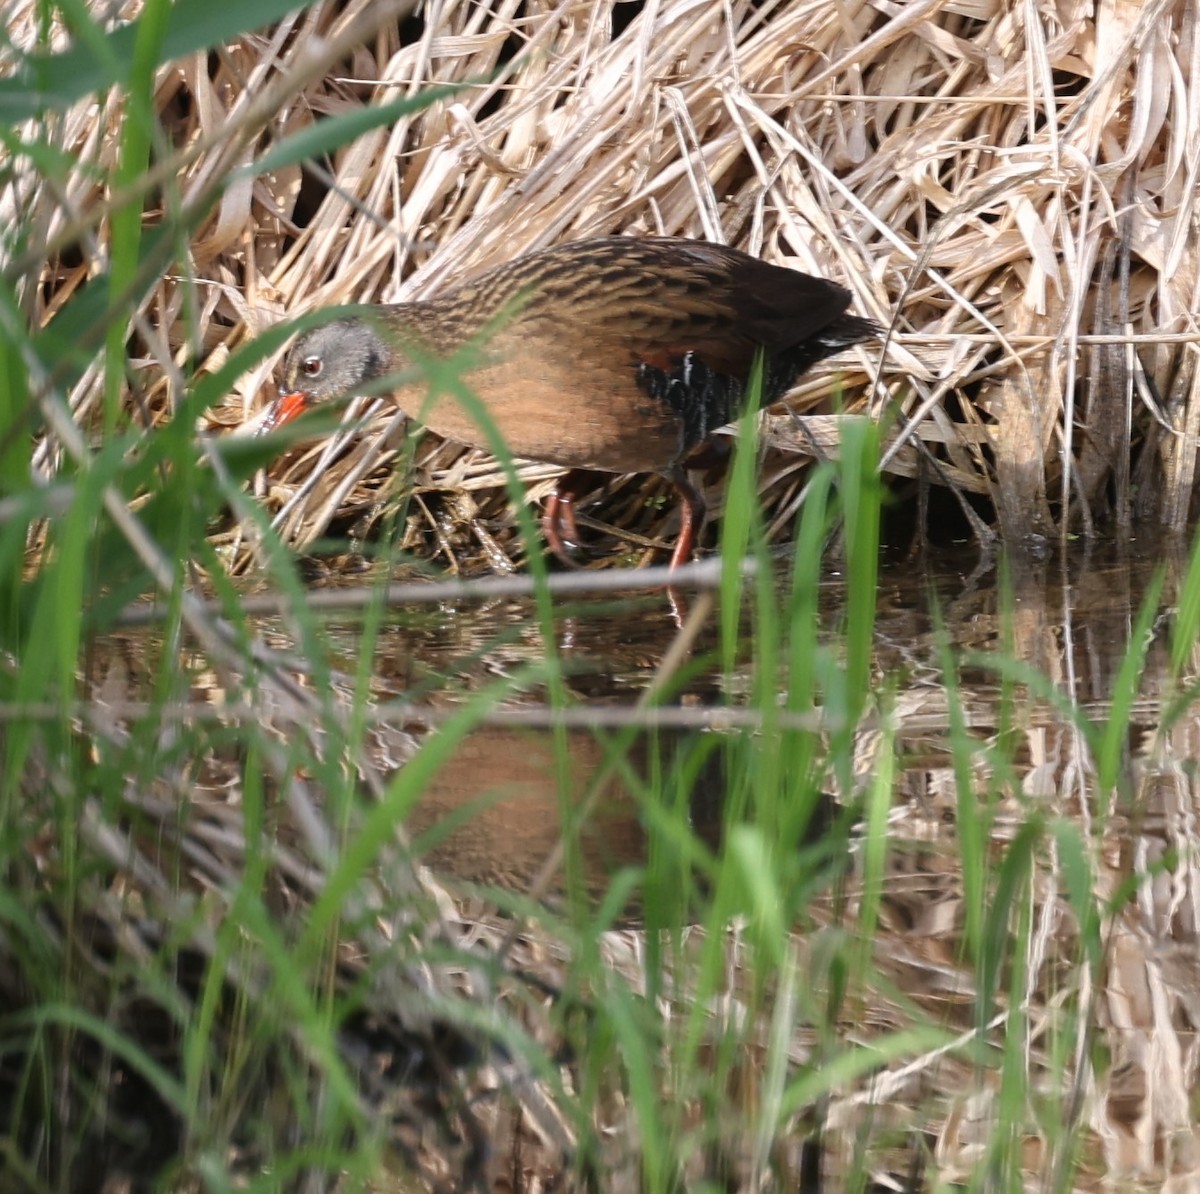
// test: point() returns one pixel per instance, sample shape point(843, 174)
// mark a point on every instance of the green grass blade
point(52, 82)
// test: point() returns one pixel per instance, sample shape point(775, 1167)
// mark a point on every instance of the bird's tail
point(847, 330)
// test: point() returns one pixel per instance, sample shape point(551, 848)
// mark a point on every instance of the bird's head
point(334, 360)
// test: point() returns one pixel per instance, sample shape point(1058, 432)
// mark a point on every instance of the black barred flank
point(701, 398)
point(704, 399)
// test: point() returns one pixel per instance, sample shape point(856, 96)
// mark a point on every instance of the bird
point(611, 355)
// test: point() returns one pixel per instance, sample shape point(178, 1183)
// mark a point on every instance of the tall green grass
point(181, 1001)
point(129, 1043)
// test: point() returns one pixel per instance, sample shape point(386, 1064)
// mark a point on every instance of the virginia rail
point(618, 355)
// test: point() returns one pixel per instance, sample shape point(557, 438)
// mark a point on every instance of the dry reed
point(991, 180)
point(1009, 187)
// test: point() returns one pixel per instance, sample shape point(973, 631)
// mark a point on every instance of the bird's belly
point(576, 421)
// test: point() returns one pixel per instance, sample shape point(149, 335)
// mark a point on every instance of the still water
point(1028, 729)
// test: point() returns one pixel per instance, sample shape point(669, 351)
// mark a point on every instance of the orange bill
point(283, 410)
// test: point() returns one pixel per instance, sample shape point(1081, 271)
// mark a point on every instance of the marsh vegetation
point(805, 878)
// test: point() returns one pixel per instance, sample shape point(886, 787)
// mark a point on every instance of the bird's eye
point(312, 366)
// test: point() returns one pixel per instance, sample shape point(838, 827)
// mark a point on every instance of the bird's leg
point(691, 515)
point(558, 515)
point(710, 454)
